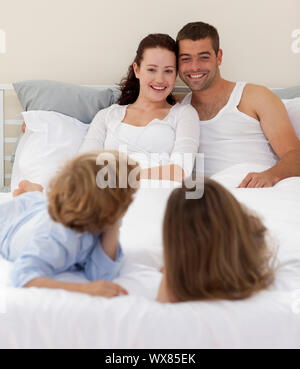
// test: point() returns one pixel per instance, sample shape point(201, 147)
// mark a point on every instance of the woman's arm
point(186, 142)
point(96, 135)
point(171, 172)
point(98, 288)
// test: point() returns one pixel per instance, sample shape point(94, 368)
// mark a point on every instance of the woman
point(146, 119)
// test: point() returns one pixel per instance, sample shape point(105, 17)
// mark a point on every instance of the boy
point(74, 228)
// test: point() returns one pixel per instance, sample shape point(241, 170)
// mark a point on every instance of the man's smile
point(196, 76)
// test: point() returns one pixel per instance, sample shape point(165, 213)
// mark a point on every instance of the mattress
point(33, 318)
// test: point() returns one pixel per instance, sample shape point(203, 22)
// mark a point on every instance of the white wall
point(93, 41)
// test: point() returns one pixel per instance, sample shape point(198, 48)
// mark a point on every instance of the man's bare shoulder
point(257, 92)
point(256, 97)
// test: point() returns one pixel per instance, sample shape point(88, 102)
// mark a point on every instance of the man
point(239, 122)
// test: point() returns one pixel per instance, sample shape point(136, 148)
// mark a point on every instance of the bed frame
point(3, 139)
point(4, 122)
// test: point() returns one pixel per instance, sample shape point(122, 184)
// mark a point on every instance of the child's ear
point(136, 70)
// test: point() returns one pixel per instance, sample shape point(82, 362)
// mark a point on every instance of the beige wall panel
point(93, 41)
point(12, 131)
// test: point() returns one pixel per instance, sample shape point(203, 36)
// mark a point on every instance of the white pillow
point(142, 225)
point(293, 108)
point(232, 177)
point(50, 140)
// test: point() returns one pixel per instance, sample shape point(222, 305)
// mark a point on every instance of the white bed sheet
point(58, 319)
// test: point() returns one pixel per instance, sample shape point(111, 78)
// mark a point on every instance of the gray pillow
point(287, 93)
point(79, 102)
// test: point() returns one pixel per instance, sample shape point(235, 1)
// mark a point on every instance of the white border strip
point(1, 138)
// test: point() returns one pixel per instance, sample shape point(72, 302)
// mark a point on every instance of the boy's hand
point(104, 289)
point(98, 288)
point(109, 240)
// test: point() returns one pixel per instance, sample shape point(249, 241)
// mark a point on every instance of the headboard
point(10, 130)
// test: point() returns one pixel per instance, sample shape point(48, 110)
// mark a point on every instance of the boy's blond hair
point(77, 202)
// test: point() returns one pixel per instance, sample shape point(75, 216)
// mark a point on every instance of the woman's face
point(157, 74)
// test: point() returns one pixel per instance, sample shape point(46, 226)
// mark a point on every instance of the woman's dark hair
point(130, 85)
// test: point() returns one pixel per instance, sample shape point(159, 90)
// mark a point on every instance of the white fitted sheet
point(58, 319)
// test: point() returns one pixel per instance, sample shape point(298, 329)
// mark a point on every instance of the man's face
point(198, 63)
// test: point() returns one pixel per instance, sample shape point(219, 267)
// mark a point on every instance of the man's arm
point(278, 129)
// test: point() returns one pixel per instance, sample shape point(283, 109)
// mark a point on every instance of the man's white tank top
point(232, 137)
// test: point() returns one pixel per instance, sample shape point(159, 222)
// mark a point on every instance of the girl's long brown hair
point(213, 247)
point(130, 85)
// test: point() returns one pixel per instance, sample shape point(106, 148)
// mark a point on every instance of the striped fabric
point(11, 130)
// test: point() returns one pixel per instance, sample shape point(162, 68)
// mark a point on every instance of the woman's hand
point(103, 288)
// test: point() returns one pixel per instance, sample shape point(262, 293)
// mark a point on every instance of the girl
point(76, 229)
point(213, 248)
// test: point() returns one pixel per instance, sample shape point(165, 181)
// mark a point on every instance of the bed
point(57, 319)
point(36, 318)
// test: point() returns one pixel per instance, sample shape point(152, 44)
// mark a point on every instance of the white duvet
point(57, 319)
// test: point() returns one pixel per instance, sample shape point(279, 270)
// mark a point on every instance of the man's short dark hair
point(198, 31)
